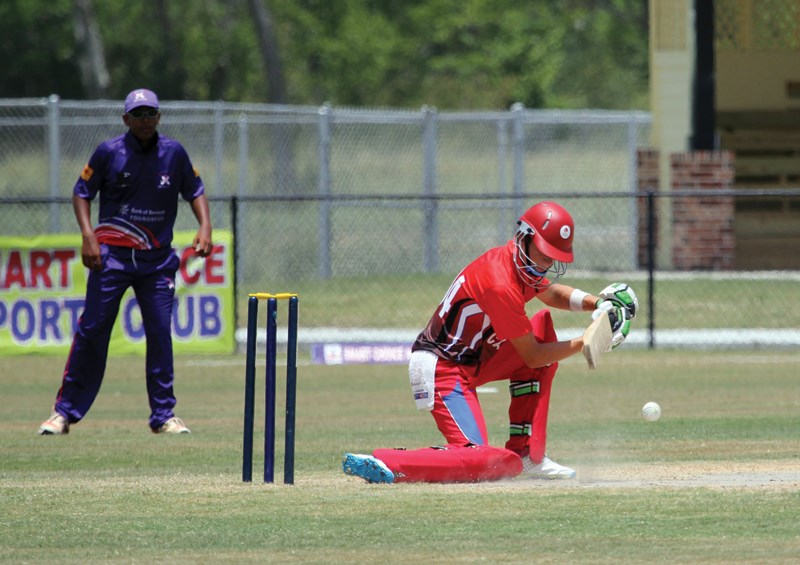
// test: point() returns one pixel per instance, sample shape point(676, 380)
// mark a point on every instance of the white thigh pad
point(421, 374)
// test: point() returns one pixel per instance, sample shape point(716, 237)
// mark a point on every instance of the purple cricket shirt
point(138, 190)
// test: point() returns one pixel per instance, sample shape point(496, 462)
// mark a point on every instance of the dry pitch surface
point(723, 475)
point(769, 474)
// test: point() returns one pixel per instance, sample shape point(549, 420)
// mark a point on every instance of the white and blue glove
point(620, 302)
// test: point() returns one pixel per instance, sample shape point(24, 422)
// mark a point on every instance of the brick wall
point(702, 226)
point(646, 181)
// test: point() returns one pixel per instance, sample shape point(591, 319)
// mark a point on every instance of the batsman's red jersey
point(483, 307)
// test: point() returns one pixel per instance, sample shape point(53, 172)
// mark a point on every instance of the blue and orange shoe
point(367, 467)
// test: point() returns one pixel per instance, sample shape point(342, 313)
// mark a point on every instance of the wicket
point(250, 387)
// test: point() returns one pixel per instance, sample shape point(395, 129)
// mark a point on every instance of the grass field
point(407, 301)
point(716, 480)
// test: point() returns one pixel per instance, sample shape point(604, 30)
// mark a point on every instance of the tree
point(91, 56)
point(276, 86)
point(452, 54)
point(281, 138)
point(173, 53)
point(37, 49)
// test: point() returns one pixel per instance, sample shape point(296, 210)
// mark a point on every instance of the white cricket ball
point(651, 411)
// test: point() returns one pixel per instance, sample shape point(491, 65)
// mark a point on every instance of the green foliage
point(452, 54)
point(605, 57)
point(36, 46)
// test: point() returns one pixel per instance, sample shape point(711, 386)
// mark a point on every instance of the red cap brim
point(551, 251)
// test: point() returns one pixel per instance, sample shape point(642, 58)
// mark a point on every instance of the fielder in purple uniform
point(139, 176)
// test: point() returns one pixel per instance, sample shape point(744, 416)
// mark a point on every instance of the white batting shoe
point(547, 469)
point(172, 426)
point(55, 425)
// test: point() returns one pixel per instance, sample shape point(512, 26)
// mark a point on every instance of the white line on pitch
point(233, 363)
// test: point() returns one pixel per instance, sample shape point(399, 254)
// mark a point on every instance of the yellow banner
point(43, 284)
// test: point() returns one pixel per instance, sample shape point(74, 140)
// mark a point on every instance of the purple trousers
point(151, 273)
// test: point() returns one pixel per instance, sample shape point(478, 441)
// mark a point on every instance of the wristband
point(576, 300)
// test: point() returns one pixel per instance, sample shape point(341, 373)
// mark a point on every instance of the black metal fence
point(374, 267)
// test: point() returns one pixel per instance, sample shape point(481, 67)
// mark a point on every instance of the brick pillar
point(702, 226)
point(647, 176)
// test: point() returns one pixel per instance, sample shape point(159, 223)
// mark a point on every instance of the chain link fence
point(369, 214)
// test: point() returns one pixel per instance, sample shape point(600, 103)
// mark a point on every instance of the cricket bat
point(597, 340)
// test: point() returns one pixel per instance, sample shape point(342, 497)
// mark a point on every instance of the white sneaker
point(547, 469)
point(172, 426)
point(55, 425)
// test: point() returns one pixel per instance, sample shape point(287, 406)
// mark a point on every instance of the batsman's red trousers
point(468, 457)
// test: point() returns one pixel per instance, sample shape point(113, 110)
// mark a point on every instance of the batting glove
point(619, 318)
point(622, 296)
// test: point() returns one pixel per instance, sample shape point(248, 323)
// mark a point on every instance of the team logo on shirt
point(164, 182)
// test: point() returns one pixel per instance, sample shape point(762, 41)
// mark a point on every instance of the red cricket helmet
point(552, 229)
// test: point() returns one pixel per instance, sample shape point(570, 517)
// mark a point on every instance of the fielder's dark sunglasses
point(139, 113)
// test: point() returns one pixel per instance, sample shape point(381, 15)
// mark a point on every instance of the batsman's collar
point(141, 97)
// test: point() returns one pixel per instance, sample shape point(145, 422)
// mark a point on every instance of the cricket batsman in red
point(480, 333)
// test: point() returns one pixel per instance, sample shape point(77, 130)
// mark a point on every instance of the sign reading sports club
point(43, 282)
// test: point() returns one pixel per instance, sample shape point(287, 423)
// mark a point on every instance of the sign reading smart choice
point(43, 282)
point(360, 353)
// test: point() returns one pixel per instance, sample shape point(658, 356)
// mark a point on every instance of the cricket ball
point(651, 411)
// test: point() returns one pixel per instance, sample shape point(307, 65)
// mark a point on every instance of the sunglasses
point(139, 113)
